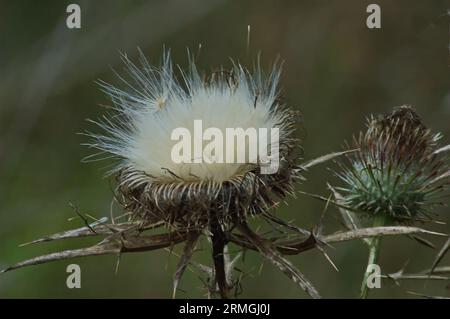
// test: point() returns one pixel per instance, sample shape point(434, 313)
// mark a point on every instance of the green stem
point(374, 252)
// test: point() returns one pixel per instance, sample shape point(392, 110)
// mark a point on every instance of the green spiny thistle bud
point(397, 170)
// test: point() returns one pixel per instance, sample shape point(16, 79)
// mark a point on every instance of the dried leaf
point(402, 276)
point(95, 229)
point(427, 296)
point(298, 245)
point(376, 231)
point(267, 249)
point(438, 270)
point(281, 222)
point(132, 244)
point(441, 254)
point(423, 241)
point(325, 158)
point(67, 254)
point(191, 242)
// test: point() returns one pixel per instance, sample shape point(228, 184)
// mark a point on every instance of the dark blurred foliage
point(336, 71)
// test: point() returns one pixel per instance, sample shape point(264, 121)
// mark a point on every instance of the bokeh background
point(336, 72)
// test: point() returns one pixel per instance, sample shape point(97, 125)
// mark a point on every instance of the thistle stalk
point(219, 242)
point(374, 253)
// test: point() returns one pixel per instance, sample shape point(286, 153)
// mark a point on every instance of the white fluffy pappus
point(154, 103)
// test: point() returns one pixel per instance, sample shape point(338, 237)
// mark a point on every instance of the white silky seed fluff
point(138, 132)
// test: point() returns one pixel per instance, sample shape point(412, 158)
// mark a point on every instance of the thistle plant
point(394, 175)
point(397, 175)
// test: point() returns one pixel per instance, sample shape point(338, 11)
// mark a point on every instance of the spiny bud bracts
point(395, 171)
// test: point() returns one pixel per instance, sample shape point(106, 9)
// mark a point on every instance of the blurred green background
point(336, 72)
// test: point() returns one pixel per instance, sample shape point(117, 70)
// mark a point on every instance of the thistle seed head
point(396, 170)
point(138, 133)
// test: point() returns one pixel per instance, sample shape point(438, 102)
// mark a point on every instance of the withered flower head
point(398, 170)
point(156, 188)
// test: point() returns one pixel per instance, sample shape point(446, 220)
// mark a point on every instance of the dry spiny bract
point(397, 171)
point(209, 197)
